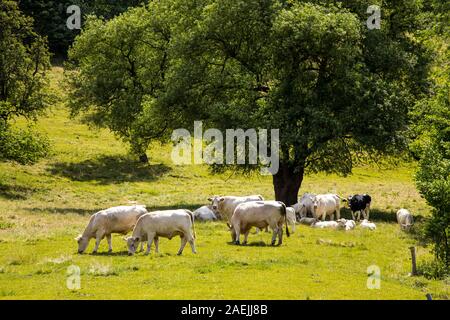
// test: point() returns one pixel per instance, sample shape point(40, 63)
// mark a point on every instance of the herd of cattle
point(240, 214)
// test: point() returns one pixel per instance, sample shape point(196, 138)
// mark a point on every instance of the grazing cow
point(113, 220)
point(405, 219)
point(325, 224)
point(359, 203)
point(224, 207)
point(166, 224)
point(365, 224)
point(326, 205)
point(305, 208)
point(259, 214)
point(205, 213)
point(308, 221)
point(346, 224)
point(290, 216)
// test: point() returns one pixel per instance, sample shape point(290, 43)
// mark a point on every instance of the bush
point(22, 146)
point(433, 182)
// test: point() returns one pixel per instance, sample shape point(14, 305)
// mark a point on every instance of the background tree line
point(50, 17)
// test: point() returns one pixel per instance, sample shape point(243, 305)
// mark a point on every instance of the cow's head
point(82, 243)
point(132, 244)
point(341, 223)
point(215, 203)
point(315, 203)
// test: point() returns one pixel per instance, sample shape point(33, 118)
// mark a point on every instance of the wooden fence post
point(413, 261)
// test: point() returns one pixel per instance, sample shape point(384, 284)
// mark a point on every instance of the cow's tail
point(284, 213)
point(191, 215)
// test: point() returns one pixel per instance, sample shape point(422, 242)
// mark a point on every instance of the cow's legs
point(157, 244)
point(237, 229)
point(150, 237)
point(338, 213)
point(367, 211)
point(98, 237)
point(280, 235)
point(353, 216)
point(142, 246)
point(324, 216)
point(108, 238)
point(246, 236)
point(274, 235)
point(192, 244)
point(183, 244)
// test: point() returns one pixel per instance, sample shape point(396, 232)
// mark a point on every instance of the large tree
point(337, 91)
point(430, 135)
point(24, 60)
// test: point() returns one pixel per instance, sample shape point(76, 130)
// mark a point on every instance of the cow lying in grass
point(166, 224)
point(113, 220)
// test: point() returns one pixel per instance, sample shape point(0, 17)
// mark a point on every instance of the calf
point(113, 220)
point(365, 224)
point(290, 216)
point(325, 224)
point(308, 221)
point(205, 213)
point(259, 214)
point(359, 203)
point(405, 219)
point(346, 224)
point(224, 206)
point(166, 224)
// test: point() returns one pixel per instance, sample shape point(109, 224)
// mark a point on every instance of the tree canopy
point(337, 91)
point(24, 60)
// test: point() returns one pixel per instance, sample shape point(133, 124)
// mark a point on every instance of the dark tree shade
point(50, 17)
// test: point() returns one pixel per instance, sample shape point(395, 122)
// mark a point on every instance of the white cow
point(166, 224)
point(113, 220)
point(325, 225)
point(308, 221)
point(346, 224)
point(365, 224)
point(305, 208)
point(290, 216)
point(405, 219)
point(259, 214)
point(224, 207)
point(205, 213)
point(327, 205)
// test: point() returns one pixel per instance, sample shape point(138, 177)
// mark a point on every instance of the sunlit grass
point(44, 206)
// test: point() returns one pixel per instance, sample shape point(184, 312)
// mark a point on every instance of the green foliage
point(122, 66)
point(433, 182)
point(430, 131)
point(311, 68)
point(22, 146)
point(24, 60)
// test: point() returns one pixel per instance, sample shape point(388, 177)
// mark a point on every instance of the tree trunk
point(287, 183)
point(143, 158)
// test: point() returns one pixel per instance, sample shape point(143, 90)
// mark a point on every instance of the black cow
point(360, 203)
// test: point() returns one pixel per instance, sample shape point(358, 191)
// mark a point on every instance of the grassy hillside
point(43, 207)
